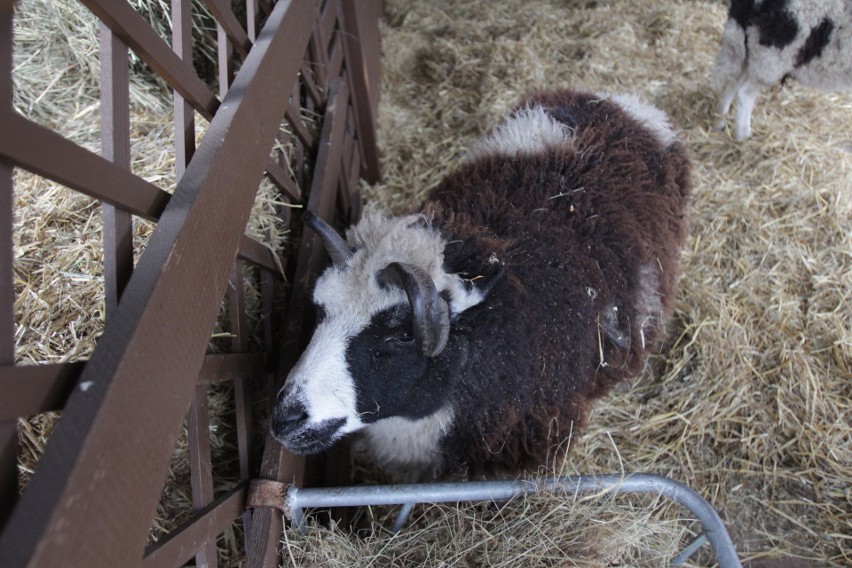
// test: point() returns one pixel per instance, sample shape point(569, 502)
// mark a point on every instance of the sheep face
point(381, 348)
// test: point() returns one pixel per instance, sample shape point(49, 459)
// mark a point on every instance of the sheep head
point(383, 345)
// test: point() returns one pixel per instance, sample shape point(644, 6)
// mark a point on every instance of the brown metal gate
point(94, 494)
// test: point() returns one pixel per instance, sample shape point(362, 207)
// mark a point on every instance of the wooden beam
point(84, 505)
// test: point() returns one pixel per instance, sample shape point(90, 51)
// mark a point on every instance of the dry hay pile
point(749, 400)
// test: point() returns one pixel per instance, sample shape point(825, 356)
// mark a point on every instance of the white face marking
point(650, 116)
point(527, 131)
point(321, 380)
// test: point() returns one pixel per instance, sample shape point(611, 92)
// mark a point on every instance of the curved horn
point(430, 311)
point(336, 246)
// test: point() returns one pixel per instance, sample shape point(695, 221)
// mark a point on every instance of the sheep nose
point(286, 419)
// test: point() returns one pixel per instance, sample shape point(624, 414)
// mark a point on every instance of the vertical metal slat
point(242, 401)
point(8, 430)
point(115, 146)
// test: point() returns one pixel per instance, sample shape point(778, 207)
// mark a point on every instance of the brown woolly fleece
point(566, 234)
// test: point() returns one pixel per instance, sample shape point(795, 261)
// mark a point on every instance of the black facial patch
point(777, 26)
point(392, 375)
point(816, 42)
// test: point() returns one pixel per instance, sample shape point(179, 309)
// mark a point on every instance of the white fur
point(649, 303)
point(743, 73)
point(320, 380)
point(650, 116)
point(527, 131)
point(406, 447)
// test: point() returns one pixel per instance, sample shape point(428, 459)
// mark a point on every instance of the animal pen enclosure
point(294, 74)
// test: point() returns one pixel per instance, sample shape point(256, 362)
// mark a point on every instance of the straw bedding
point(748, 400)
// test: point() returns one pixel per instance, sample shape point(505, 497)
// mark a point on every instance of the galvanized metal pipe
point(717, 534)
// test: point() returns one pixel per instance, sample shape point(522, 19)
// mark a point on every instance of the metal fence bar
point(156, 342)
point(31, 389)
point(115, 147)
point(127, 24)
point(277, 463)
point(198, 421)
point(299, 499)
point(360, 25)
point(8, 425)
point(328, 19)
point(36, 148)
point(184, 119)
point(180, 545)
point(229, 25)
point(242, 400)
point(200, 468)
point(252, 19)
point(224, 367)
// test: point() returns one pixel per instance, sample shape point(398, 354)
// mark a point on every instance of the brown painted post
point(242, 401)
point(86, 506)
point(279, 464)
point(360, 23)
point(183, 115)
point(198, 419)
point(252, 19)
point(8, 428)
point(127, 24)
point(115, 147)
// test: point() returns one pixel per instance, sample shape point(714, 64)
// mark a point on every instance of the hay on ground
point(748, 400)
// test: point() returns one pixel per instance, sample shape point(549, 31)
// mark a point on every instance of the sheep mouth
point(312, 438)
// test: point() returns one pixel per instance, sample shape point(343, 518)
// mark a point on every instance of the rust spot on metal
point(268, 493)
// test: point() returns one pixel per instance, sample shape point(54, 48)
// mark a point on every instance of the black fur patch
point(741, 12)
point(816, 42)
point(777, 26)
point(392, 376)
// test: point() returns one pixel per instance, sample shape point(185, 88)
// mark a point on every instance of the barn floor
point(749, 398)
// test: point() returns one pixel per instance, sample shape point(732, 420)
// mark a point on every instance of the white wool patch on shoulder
point(650, 116)
point(527, 131)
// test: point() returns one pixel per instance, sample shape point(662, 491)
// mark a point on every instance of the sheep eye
point(401, 335)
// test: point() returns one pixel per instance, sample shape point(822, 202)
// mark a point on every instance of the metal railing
point(293, 501)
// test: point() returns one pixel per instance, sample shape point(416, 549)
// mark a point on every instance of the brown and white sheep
point(472, 337)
